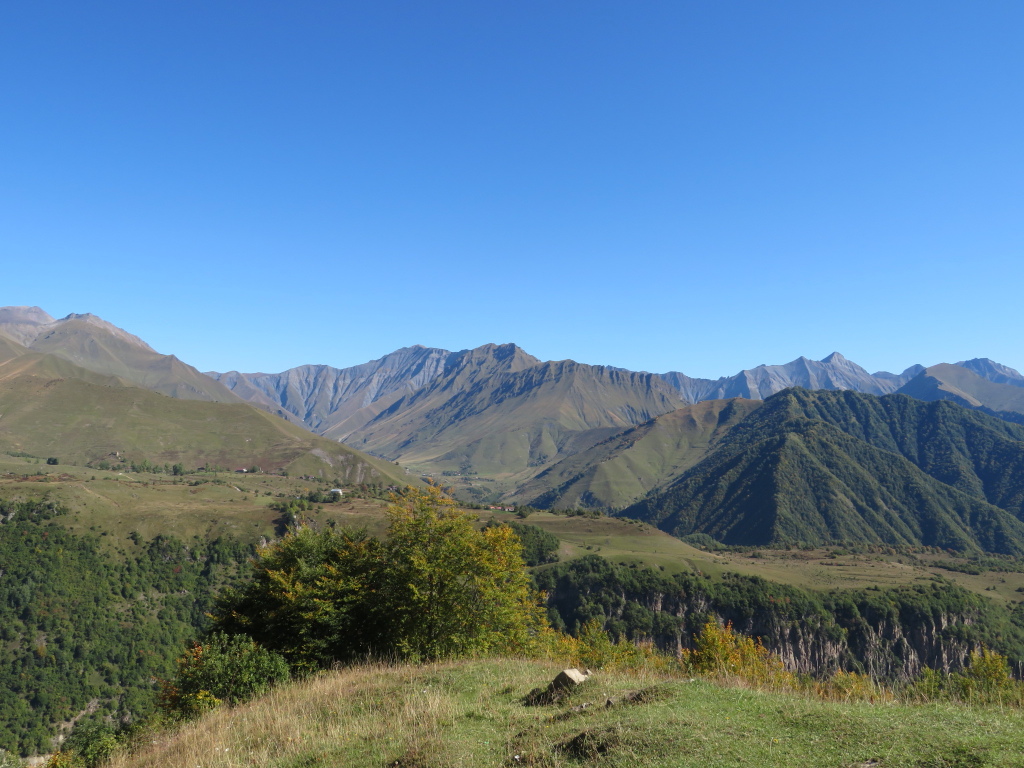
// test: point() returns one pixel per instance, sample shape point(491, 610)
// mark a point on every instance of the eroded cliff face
point(891, 634)
point(819, 643)
point(888, 649)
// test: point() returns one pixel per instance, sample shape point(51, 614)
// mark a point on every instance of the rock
point(569, 678)
point(558, 689)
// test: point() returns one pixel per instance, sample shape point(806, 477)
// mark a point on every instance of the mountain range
point(518, 428)
point(82, 390)
point(809, 451)
point(840, 466)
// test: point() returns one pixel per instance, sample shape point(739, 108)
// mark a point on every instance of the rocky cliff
point(890, 634)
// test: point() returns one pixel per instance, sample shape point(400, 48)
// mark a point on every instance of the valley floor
point(471, 714)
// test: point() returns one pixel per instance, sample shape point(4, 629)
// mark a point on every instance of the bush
point(986, 679)
point(228, 668)
point(721, 652)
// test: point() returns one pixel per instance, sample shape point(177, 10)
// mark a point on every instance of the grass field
point(628, 541)
point(116, 503)
point(471, 714)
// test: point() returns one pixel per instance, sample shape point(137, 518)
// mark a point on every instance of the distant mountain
point(496, 410)
point(321, 396)
point(993, 371)
point(500, 412)
point(98, 346)
point(991, 391)
point(833, 372)
point(825, 467)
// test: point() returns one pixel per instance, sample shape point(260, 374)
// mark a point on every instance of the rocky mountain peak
point(993, 371)
point(99, 322)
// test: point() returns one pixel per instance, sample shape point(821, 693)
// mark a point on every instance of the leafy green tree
point(311, 597)
point(452, 589)
point(437, 587)
point(539, 546)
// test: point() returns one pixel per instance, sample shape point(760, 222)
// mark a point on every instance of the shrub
point(228, 668)
point(986, 679)
point(721, 652)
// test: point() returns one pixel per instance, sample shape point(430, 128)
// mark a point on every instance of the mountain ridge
point(823, 467)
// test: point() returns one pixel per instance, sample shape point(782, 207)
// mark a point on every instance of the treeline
point(78, 624)
point(892, 633)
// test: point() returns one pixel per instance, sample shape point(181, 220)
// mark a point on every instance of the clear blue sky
point(695, 186)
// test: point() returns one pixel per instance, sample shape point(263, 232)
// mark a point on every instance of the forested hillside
point(827, 467)
point(85, 628)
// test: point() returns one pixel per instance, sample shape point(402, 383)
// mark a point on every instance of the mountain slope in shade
point(500, 411)
point(963, 386)
point(810, 467)
point(98, 346)
point(626, 467)
point(833, 372)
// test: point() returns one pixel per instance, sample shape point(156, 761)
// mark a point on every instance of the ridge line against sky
point(701, 187)
point(605, 364)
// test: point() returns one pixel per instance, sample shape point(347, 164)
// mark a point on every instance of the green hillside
point(824, 467)
point(80, 422)
point(975, 453)
point(626, 467)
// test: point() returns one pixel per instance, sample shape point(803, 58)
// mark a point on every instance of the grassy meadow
point(115, 503)
point(471, 714)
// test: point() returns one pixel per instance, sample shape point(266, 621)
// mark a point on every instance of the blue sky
point(694, 186)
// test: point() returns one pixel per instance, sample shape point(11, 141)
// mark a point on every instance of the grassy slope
point(824, 568)
point(470, 714)
point(118, 503)
point(952, 382)
point(624, 468)
point(115, 503)
point(98, 349)
point(17, 361)
point(80, 422)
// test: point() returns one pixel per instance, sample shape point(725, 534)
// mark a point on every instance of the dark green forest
point(86, 629)
point(843, 467)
